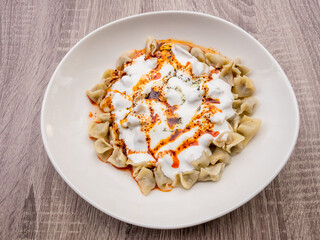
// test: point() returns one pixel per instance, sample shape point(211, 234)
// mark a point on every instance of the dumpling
point(136, 167)
point(113, 136)
point(221, 140)
point(226, 73)
point(245, 105)
point(198, 53)
point(97, 92)
point(103, 149)
point(105, 117)
point(248, 105)
point(107, 77)
point(235, 71)
point(202, 162)
point(248, 127)
point(136, 170)
point(185, 47)
point(231, 70)
point(98, 130)
point(234, 121)
point(105, 104)
point(243, 69)
point(228, 140)
point(146, 180)
point(125, 57)
point(216, 60)
point(243, 86)
point(108, 73)
point(151, 46)
point(163, 182)
point(212, 173)
point(233, 139)
point(118, 158)
point(186, 179)
point(219, 155)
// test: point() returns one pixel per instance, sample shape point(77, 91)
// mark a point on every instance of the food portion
point(173, 113)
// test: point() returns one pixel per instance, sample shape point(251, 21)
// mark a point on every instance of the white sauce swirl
point(182, 91)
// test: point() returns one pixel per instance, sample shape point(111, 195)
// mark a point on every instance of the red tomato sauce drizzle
point(165, 55)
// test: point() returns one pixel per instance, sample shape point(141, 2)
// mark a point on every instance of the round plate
point(65, 109)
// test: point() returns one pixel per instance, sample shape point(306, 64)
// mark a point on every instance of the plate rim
point(178, 226)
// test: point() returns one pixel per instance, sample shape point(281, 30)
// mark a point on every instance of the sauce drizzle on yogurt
point(165, 106)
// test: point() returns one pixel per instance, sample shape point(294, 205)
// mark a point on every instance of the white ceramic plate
point(65, 109)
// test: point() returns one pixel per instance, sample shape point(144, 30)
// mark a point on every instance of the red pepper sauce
point(165, 56)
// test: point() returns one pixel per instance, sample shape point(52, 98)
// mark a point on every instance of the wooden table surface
point(35, 203)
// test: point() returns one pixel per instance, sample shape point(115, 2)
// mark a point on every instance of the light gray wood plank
point(35, 203)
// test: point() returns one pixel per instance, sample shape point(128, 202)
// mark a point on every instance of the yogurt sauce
point(170, 109)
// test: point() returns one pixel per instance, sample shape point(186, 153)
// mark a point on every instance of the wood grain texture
point(35, 203)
